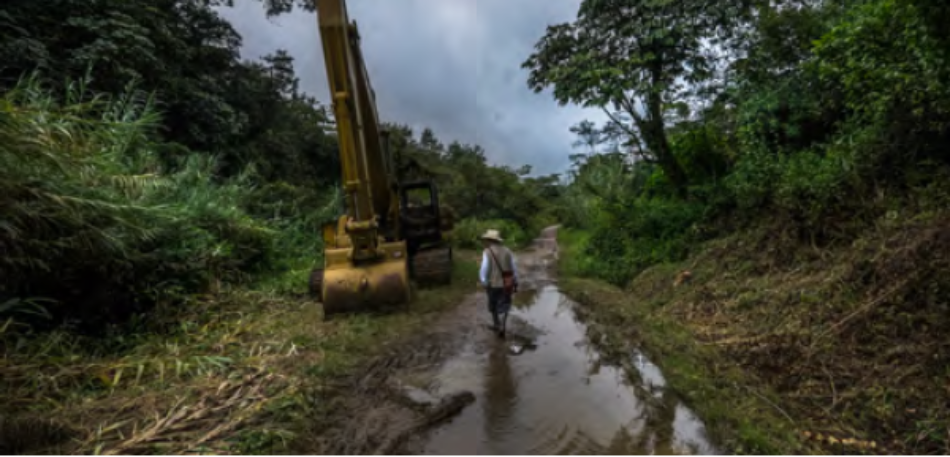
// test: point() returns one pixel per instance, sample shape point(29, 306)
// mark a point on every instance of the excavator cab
point(425, 225)
point(420, 216)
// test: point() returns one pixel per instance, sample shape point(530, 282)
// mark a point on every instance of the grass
point(236, 373)
point(572, 262)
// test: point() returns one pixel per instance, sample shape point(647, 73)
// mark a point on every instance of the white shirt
point(483, 273)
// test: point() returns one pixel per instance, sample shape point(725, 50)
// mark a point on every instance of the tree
point(429, 142)
point(587, 134)
point(634, 59)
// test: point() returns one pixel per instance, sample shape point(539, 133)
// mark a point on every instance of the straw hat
point(492, 235)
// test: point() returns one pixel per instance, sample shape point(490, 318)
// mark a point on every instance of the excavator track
point(433, 266)
point(316, 284)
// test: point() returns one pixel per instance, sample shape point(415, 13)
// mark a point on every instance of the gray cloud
point(451, 65)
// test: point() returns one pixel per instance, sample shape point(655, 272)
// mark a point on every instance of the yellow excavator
point(383, 239)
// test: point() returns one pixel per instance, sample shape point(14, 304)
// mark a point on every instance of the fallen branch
point(840, 325)
point(221, 411)
point(770, 402)
point(446, 409)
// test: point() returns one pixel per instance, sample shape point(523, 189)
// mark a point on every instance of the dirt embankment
point(788, 348)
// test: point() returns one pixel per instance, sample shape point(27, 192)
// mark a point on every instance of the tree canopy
point(638, 60)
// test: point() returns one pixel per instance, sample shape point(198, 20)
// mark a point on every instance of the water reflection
point(561, 397)
point(622, 443)
point(500, 394)
point(658, 415)
point(524, 299)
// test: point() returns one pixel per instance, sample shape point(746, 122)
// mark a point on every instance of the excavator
point(394, 231)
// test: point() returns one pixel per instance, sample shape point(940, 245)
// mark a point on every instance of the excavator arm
point(365, 262)
point(368, 179)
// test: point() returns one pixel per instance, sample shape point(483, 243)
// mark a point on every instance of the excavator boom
point(365, 262)
point(371, 250)
point(367, 166)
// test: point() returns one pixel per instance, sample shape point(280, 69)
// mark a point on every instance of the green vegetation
point(99, 230)
point(791, 157)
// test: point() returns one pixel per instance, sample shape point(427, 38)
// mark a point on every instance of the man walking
point(499, 276)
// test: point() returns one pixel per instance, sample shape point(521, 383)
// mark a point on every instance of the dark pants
point(498, 305)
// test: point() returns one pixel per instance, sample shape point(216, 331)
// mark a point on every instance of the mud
point(544, 389)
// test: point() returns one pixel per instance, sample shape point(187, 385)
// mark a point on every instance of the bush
point(640, 233)
point(468, 231)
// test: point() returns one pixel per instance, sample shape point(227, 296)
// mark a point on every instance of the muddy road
point(544, 389)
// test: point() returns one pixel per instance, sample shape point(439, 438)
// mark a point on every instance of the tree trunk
point(656, 139)
point(654, 130)
point(667, 161)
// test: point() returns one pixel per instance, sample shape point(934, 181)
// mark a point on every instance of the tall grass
point(95, 225)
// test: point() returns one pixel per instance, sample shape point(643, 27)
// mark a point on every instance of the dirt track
point(547, 388)
point(381, 413)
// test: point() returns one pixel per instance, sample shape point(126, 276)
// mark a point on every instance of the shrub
point(638, 233)
point(468, 231)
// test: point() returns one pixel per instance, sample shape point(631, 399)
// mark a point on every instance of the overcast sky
point(452, 65)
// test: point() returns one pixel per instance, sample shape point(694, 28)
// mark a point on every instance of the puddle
point(545, 391)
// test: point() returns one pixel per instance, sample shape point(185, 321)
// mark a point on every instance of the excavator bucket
point(349, 287)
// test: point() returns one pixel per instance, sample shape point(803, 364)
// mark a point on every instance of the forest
point(791, 155)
